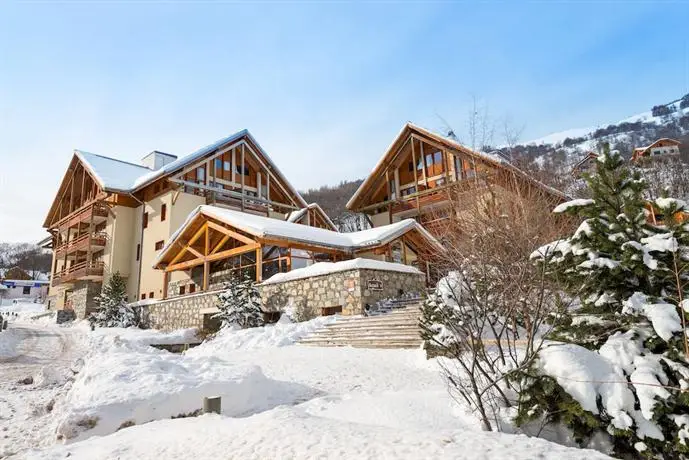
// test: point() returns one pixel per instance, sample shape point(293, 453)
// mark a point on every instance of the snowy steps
point(397, 329)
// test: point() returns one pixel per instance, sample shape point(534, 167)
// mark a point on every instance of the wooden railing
point(79, 271)
point(84, 214)
point(82, 243)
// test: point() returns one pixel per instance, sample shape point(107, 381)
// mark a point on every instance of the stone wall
point(182, 312)
point(351, 290)
point(81, 298)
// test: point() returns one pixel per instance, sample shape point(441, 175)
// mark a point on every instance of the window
point(138, 252)
point(239, 170)
point(150, 295)
point(145, 221)
point(201, 174)
point(26, 290)
point(159, 245)
point(182, 290)
point(429, 159)
point(438, 157)
point(227, 166)
point(143, 296)
point(411, 166)
point(218, 165)
point(192, 288)
point(163, 212)
point(393, 193)
point(408, 191)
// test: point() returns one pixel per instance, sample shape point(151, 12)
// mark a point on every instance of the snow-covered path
point(46, 355)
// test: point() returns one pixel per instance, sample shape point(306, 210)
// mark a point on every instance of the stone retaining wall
point(182, 312)
point(351, 290)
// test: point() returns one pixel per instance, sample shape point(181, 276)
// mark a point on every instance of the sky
point(324, 87)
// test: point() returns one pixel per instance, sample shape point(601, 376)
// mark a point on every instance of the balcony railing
point(82, 243)
point(80, 271)
point(99, 211)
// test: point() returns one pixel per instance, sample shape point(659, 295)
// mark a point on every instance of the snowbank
point(142, 337)
point(292, 433)
point(272, 335)
point(125, 385)
point(9, 340)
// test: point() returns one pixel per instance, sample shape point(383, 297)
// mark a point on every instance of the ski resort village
point(271, 231)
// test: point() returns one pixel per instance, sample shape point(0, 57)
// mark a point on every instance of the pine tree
point(240, 304)
point(631, 278)
point(113, 310)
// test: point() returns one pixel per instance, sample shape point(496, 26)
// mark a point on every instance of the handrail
point(77, 241)
point(97, 207)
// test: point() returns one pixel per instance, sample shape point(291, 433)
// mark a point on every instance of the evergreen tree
point(240, 304)
point(113, 310)
point(628, 333)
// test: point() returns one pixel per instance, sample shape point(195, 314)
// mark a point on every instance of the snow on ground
point(9, 339)
point(279, 399)
point(291, 433)
point(124, 385)
point(103, 335)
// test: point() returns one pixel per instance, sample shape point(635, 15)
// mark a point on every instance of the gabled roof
point(640, 151)
point(296, 216)
point(589, 156)
point(121, 176)
point(411, 128)
point(111, 174)
point(274, 229)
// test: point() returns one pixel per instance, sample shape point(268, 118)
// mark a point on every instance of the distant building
point(33, 290)
point(585, 165)
point(662, 148)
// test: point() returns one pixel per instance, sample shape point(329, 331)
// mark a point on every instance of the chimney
point(156, 160)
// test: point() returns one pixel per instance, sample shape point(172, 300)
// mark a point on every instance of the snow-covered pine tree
point(240, 304)
point(113, 310)
point(601, 262)
point(623, 371)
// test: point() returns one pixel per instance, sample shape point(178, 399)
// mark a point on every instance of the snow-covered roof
point(325, 268)
point(110, 173)
point(121, 176)
point(295, 216)
point(497, 160)
point(268, 228)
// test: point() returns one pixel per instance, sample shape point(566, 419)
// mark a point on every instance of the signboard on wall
point(374, 284)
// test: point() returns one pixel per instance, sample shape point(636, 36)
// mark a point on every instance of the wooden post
point(423, 163)
point(212, 405)
point(166, 277)
point(389, 190)
point(233, 167)
point(259, 264)
point(416, 179)
point(242, 174)
point(404, 252)
point(206, 264)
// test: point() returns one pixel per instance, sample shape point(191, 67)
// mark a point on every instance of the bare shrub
point(492, 306)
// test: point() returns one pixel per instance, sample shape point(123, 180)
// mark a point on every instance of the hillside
point(566, 147)
point(333, 199)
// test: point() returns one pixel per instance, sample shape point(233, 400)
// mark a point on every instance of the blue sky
point(323, 87)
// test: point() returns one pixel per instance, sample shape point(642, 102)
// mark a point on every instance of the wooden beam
point(423, 159)
point(231, 233)
point(220, 244)
point(206, 268)
point(206, 243)
point(233, 252)
point(193, 251)
point(234, 166)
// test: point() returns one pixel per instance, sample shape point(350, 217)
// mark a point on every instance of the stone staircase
point(398, 328)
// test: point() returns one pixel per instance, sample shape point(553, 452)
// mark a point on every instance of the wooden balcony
point(97, 211)
point(96, 241)
point(81, 271)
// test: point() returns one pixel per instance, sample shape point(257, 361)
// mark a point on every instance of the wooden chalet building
point(662, 148)
point(586, 165)
point(415, 174)
point(195, 219)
